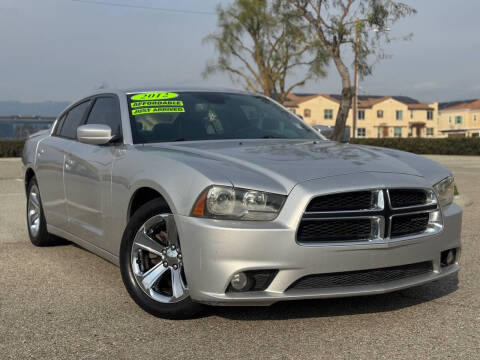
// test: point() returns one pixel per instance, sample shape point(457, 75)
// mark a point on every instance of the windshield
point(167, 116)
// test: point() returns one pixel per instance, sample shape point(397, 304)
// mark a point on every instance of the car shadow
point(319, 308)
point(341, 306)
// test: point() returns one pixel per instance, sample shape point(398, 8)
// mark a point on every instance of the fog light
point(239, 282)
point(447, 257)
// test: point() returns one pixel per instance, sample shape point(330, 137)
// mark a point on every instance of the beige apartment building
point(378, 116)
point(459, 118)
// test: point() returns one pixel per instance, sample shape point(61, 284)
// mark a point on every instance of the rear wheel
point(36, 223)
point(152, 266)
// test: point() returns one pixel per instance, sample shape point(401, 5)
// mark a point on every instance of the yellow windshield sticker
point(157, 110)
point(154, 103)
point(155, 96)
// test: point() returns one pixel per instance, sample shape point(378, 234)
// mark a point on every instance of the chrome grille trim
point(431, 199)
point(381, 215)
point(379, 204)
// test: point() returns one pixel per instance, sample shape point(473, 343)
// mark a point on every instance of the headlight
point(222, 202)
point(445, 190)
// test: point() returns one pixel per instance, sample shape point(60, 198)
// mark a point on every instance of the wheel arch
point(29, 174)
point(142, 195)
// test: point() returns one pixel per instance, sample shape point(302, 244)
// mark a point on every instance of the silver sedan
point(226, 198)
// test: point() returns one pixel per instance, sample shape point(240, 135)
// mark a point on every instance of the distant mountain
point(46, 108)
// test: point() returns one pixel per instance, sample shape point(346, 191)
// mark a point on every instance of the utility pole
point(355, 79)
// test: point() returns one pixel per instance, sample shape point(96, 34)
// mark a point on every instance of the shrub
point(11, 148)
point(445, 146)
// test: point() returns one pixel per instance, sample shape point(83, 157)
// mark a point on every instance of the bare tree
point(261, 42)
point(340, 23)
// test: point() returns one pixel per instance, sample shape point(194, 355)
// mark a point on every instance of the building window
point(328, 114)
point(474, 117)
point(429, 114)
point(307, 113)
point(399, 114)
point(458, 119)
point(361, 132)
point(429, 131)
point(379, 132)
point(475, 134)
point(361, 114)
point(449, 119)
point(411, 114)
point(397, 132)
point(380, 114)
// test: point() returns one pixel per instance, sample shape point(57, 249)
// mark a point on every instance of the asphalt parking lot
point(64, 302)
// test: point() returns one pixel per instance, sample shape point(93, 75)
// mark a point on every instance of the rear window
point(168, 116)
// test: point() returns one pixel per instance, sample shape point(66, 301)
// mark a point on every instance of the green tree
point(261, 42)
point(361, 25)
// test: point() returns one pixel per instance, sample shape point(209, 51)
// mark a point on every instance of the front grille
point(350, 201)
point(409, 224)
point(335, 230)
point(407, 197)
point(362, 277)
point(360, 216)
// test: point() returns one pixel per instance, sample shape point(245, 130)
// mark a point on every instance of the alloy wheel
point(34, 211)
point(156, 260)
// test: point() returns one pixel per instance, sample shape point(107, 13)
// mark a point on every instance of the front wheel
point(152, 265)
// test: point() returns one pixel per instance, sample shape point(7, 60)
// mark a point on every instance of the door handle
point(68, 163)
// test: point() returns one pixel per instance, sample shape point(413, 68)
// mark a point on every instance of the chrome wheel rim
point(156, 260)
point(33, 211)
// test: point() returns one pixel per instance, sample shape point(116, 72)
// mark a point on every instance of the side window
point(74, 120)
point(59, 124)
point(106, 111)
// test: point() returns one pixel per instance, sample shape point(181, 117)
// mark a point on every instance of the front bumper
point(214, 250)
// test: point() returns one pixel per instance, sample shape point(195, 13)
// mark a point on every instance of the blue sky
point(61, 49)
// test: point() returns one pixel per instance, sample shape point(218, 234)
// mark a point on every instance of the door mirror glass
point(95, 134)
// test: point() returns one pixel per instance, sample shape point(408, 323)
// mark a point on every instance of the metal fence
point(16, 127)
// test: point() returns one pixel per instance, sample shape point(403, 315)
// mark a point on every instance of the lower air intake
point(362, 277)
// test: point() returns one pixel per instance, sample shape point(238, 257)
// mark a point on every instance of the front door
point(50, 165)
point(88, 174)
point(385, 131)
point(49, 170)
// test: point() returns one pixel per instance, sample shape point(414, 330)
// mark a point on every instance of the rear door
point(51, 155)
point(88, 174)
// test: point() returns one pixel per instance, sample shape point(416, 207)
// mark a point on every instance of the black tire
point(41, 237)
point(183, 309)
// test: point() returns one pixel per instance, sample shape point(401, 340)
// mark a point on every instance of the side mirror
point(94, 134)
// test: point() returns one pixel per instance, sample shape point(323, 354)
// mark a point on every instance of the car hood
point(259, 163)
